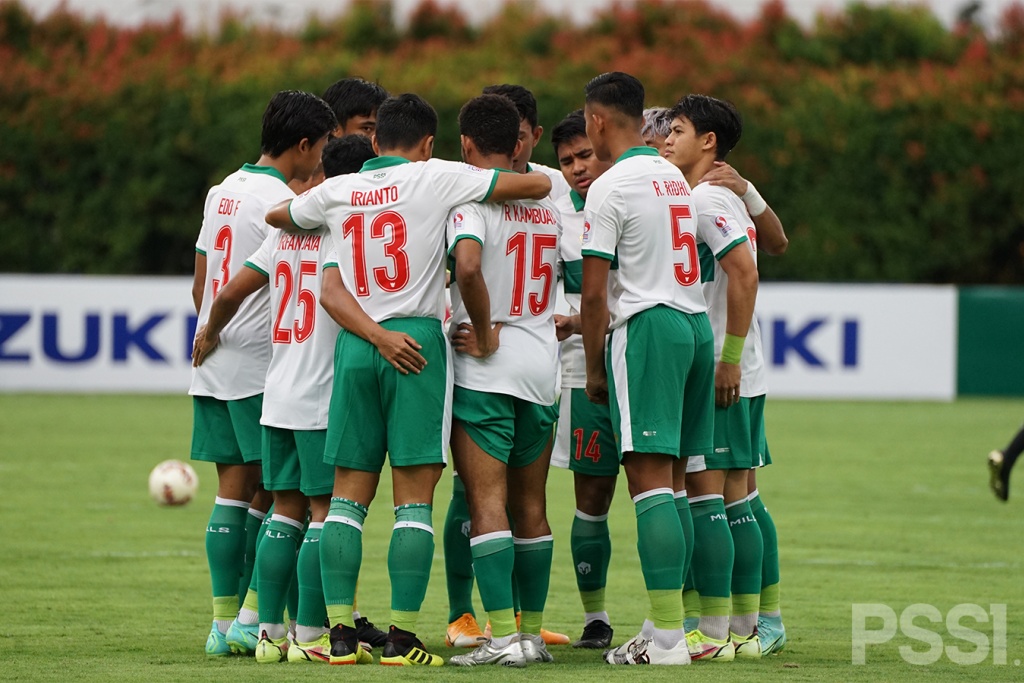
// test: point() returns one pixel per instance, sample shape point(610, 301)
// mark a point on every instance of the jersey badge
point(722, 223)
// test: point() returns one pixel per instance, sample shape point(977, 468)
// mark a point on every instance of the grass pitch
point(874, 502)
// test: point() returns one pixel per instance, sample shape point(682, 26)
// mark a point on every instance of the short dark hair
point(354, 97)
point(291, 117)
point(492, 123)
point(403, 121)
point(526, 103)
point(346, 154)
point(617, 90)
point(711, 115)
point(573, 126)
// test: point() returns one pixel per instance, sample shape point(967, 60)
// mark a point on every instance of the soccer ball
point(173, 482)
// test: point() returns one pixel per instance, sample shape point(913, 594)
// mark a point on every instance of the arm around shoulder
point(509, 186)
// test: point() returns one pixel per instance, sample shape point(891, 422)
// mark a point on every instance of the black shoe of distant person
point(597, 635)
point(998, 475)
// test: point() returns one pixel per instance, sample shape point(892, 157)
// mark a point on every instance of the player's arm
point(479, 340)
point(399, 349)
point(280, 217)
point(225, 305)
point(594, 324)
point(509, 186)
point(741, 295)
point(199, 281)
point(771, 237)
point(305, 212)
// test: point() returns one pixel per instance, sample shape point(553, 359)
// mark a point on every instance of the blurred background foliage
point(889, 143)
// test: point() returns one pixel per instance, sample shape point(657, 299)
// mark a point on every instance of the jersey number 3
point(390, 279)
point(687, 271)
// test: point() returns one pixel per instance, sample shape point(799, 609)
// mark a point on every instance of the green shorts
point(293, 460)
point(739, 438)
point(227, 432)
point(510, 429)
point(376, 410)
point(586, 440)
point(661, 383)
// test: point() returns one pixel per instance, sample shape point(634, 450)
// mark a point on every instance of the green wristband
point(732, 349)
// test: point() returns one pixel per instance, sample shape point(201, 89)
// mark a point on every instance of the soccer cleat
point(464, 632)
point(998, 476)
point(511, 655)
point(772, 635)
point(269, 651)
point(242, 638)
point(405, 649)
point(703, 648)
point(370, 634)
point(639, 650)
point(746, 647)
point(345, 647)
point(534, 649)
point(597, 635)
point(315, 651)
point(624, 654)
point(216, 643)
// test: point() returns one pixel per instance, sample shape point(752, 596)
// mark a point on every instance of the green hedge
point(886, 142)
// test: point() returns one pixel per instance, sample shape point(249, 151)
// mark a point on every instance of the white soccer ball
point(173, 482)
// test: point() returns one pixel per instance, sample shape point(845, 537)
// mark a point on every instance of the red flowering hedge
point(889, 144)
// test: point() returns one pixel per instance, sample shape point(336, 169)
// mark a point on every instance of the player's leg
point(747, 563)
point(770, 629)
point(1000, 463)
point(312, 639)
point(691, 600)
point(463, 629)
point(254, 531)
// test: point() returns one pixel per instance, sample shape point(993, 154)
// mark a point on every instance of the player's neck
point(621, 141)
point(412, 154)
point(282, 164)
point(699, 170)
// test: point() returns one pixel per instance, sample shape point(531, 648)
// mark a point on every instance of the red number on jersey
point(687, 271)
point(355, 227)
point(223, 243)
point(302, 328)
point(593, 447)
point(541, 270)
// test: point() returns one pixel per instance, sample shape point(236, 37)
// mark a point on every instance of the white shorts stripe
point(415, 525)
point(493, 536)
point(446, 428)
point(620, 376)
point(563, 434)
point(695, 463)
point(339, 519)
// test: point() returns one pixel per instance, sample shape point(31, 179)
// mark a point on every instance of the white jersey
point(570, 245)
point(301, 371)
point(519, 262)
point(559, 186)
point(718, 207)
point(234, 227)
point(388, 227)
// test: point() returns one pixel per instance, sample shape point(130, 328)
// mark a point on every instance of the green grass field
point(874, 502)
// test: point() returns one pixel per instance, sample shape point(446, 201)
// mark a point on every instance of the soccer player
point(656, 128)
point(1000, 464)
point(227, 390)
point(392, 383)
point(503, 407)
point(586, 440)
point(355, 102)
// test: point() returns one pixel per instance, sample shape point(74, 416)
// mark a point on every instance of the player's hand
point(725, 176)
point(597, 390)
point(566, 326)
point(202, 346)
point(727, 384)
point(401, 350)
point(466, 340)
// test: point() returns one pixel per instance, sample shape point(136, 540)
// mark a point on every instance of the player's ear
point(373, 141)
point(466, 146)
point(518, 149)
point(427, 147)
point(710, 141)
point(537, 132)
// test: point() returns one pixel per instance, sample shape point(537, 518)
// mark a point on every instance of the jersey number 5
point(541, 270)
point(300, 328)
point(389, 279)
point(687, 271)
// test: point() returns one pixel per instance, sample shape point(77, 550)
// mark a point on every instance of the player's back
point(640, 214)
point(233, 228)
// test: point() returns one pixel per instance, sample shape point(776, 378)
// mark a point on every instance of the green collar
point(266, 170)
point(578, 202)
point(638, 151)
point(383, 162)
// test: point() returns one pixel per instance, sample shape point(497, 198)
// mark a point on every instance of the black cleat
point(345, 647)
point(370, 634)
point(998, 475)
point(405, 649)
point(597, 635)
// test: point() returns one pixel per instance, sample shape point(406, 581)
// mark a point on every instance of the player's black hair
point(291, 116)
point(573, 126)
point(617, 90)
point(526, 103)
point(354, 97)
point(346, 154)
point(492, 123)
point(711, 115)
point(403, 121)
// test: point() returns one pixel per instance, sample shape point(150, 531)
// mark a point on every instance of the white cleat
point(511, 655)
point(534, 649)
point(639, 650)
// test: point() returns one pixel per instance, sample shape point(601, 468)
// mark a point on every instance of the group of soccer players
point(656, 367)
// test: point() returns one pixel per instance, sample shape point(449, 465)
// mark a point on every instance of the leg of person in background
point(1000, 463)
point(463, 629)
point(770, 629)
point(747, 566)
point(243, 634)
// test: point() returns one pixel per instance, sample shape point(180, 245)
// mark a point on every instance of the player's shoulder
point(713, 198)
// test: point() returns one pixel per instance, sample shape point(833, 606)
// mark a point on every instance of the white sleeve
point(457, 183)
point(602, 226)
point(717, 226)
point(466, 221)
point(308, 211)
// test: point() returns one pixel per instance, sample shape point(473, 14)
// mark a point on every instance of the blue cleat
point(772, 635)
point(242, 638)
point(216, 643)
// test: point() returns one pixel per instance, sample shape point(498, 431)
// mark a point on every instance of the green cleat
point(216, 643)
point(704, 648)
point(747, 647)
point(318, 650)
point(270, 651)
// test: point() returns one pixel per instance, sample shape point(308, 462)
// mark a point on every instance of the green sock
point(409, 559)
point(712, 564)
point(458, 559)
point(255, 526)
point(591, 546)
point(686, 521)
point(225, 550)
point(341, 553)
point(312, 611)
point(292, 605)
point(660, 544)
point(691, 604)
point(533, 572)
point(770, 562)
point(746, 568)
point(493, 559)
point(276, 562)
